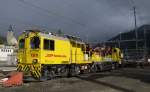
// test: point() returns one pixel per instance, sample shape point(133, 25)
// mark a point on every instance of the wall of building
point(7, 56)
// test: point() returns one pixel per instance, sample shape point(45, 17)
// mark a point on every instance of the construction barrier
point(14, 79)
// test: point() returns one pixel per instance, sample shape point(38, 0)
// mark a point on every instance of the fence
point(135, 54)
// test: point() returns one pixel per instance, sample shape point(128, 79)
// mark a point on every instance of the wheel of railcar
point(93, 68)
point(47, 74)
point(113, 66)
point(63, 71)
point(101, 67)
point(116, 66)
point(77, 70)
point(69, 71)
point(89, 67)
point(74, 70)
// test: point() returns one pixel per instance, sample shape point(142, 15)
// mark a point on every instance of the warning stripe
point(39, 74)
point(26, 68)
point(33, 74)
point(19, 68)
point(36, 72)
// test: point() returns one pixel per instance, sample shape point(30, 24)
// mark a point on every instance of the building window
point(49, 44)
point(21, 43)
point(35, 42)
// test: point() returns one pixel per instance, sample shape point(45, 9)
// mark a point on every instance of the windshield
point(21, 43)
point(35, 42)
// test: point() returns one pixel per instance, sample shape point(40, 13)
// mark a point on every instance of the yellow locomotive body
point(44, 55)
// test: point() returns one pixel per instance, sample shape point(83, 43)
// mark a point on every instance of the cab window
point(21, 43)
point(49, 44)
point(35, 42)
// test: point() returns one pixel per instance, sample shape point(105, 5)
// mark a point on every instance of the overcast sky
point(93, 20)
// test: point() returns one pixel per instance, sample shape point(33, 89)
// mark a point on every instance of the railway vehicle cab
point(29, 48)
point(29, 53)
point(41, 54)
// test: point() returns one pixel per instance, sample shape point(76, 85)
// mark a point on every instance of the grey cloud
point(97, 19)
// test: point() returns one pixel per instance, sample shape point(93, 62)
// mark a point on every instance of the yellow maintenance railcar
point(46, 55)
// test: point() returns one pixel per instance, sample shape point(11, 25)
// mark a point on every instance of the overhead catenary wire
point(25, 23)
point(71, 20)
point(67, 18)
point(50, 13)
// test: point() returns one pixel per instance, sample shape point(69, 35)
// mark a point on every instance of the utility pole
point(145, 44)
point(120, 39)
point(135, 24)
point(87, 40)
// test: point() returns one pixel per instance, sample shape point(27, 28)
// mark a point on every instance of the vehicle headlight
point(34, 61)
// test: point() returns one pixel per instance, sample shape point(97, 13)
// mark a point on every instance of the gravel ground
point(122, 80)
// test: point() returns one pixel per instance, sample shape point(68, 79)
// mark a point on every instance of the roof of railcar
point(57, 36)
